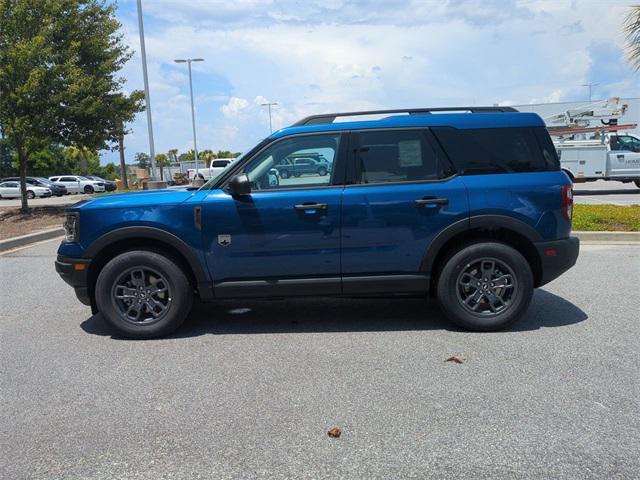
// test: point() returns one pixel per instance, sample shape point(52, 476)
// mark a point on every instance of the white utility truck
point(613, 157)
point(601, 152)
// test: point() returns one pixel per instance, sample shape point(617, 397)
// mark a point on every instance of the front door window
point(279, 167)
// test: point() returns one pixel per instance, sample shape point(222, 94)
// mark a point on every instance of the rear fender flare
point(474, 223)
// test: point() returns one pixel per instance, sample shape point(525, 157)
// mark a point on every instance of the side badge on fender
point(224, 240)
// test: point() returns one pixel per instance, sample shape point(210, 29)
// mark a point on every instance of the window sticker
point(410, 153)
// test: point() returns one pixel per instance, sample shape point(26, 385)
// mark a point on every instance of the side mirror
point(240, 185)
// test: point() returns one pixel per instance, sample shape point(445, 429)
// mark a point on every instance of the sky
point(319, 56)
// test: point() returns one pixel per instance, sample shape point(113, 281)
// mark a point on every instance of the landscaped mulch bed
point(13, 223)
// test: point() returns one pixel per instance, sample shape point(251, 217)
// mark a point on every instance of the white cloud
point(339, 55)
point(234, 106)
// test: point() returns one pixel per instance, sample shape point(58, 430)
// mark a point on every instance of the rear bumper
point(75, 275)
point(557, 257)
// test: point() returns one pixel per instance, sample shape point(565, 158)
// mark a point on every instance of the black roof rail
point(330, 117)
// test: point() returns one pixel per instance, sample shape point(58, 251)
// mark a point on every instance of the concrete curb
point(625, 237)
point(23, 240)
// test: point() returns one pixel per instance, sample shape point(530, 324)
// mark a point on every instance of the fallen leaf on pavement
point(334, 432)
point(455, 359)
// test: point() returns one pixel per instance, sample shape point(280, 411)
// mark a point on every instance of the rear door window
point(492, 150)
point(392, 156)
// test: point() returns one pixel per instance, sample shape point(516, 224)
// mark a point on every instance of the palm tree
point(632, 33)
point(162, 161)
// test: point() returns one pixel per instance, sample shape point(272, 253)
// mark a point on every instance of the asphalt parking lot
point(38, 202)
point(601, 192)
point(249, 389)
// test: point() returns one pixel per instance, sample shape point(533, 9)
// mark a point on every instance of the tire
point(121, 277)
point(88, 189)
point(322, 171)
point(499, 307)
point(30, 195)
point(284, 174)
point(637, 182)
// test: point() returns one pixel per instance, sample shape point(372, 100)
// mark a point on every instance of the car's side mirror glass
point(240, 185)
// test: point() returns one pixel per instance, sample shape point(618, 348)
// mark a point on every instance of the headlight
point(72, 227)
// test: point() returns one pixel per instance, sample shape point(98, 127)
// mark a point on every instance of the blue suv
point(465, 204)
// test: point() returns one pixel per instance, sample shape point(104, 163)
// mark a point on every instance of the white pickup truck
point(612, 157)
point(215, 168)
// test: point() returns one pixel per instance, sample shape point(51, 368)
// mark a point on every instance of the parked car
point(12, 190)
point(79, 184)
point(56, 189)
point(468, 206)
point(109, 185)
point(294, 167)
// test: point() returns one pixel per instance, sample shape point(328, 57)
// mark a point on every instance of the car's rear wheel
point(30, 195)
point(637, 182)
point(284, 174)
point(143, 294)
point(485, 286)
point(88, 189)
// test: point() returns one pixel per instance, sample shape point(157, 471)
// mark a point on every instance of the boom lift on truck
point(592, 145)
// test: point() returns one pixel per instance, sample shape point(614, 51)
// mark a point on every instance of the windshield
point(83, 178)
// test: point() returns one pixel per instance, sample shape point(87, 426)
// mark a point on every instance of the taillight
point(567, 201)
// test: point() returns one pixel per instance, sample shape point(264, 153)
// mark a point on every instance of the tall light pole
point(193, 113)
point(147, 97)
point(590, 85)
point(269, 105)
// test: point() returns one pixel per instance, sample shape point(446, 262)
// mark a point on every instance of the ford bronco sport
point(465, 204)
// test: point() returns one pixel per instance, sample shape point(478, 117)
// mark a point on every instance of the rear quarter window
point(496, 150)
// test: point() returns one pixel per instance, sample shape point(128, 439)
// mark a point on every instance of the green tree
point(227, 154)
point(188, 156)
point(125, 109)
point(162, 161)
point(632, 33)
point(58, 75)
point(108, 171)
point(143, 160)
point(173, 155)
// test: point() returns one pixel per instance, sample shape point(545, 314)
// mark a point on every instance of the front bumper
point(557, 257)
point(74, 271)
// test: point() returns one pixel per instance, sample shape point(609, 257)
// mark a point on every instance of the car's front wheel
point(88, 189)
point(284, 174)
point(143, 294)
point(485, 286)
point(322, 171)
point(30, 195)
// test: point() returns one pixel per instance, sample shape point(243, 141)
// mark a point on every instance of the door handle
point(311, 208)
point(432, 201)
